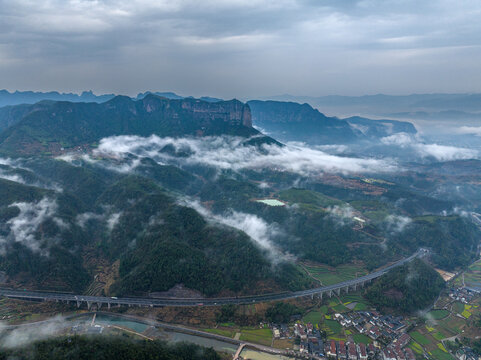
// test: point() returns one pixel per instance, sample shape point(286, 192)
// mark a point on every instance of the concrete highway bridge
point(100, 301)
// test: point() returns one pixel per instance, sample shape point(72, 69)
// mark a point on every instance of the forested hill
point(108, 348)
point(399, 290)
point(47, 127)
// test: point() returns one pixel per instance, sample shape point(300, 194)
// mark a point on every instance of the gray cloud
point(240, 48)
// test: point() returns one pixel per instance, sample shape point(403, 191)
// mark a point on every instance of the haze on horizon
point(243, 49)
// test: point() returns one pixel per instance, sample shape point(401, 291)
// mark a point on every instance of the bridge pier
point(78, 304)
point(330, 293)
point(108, 305)
point(99, 305)
point(347, 289)
point(89, 305)
point(338, 292)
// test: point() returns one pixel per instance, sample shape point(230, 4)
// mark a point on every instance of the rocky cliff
point(48, 126)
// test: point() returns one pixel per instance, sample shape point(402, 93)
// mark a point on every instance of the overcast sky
point(243, 49)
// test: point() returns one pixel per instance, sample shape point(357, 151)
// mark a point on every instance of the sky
point(243, 49)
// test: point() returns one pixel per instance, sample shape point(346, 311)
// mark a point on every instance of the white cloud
point(24, 335)
point(24, 226)
point(342, 214)
point(400, 139)
point(11, 177)
point(226, 152)
point(113, 220)
point(397, 223)
point(110, 220)
point(469, 130)
point(439, 152)
point(84, 218)
point(11, 174)
point(446, 153)
point(8, 175)
point(124, 167)
point(255, 227)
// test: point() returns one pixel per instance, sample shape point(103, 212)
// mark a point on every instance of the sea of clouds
point(228, 152)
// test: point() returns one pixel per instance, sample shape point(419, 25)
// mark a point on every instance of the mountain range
point(138, 196)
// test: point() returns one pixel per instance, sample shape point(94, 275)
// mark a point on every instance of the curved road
point(102, 300)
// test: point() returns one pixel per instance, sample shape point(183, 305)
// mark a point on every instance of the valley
point(181, 211)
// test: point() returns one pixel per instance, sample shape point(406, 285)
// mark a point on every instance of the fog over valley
point(231, 179)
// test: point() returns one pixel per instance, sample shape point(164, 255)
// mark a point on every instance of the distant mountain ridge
point(49, 126)
point(31, 97)
point(287, 121)
point(375, 129)
point(290, 121)
point(381, 104)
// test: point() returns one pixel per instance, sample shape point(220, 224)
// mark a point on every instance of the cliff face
point(65, 124)
point(233, 112)
point(288, 121)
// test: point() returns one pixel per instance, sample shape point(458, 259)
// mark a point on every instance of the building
point(352, 351)
point(362, 351)
point(332, 352)
point(402, 341)
point(388, 354)
point(341, 351)
point(372, 349)
point(409, 354)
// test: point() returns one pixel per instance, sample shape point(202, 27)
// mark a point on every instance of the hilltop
point(47, 127)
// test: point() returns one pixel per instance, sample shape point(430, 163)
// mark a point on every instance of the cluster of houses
point(397, 350)
point(372, 324)
point(462, 294)
point(349, 350)
point(466, 353)
point(311, 340)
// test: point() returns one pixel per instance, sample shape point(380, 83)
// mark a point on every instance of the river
point(172, 336)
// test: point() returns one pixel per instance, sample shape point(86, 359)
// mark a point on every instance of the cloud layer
point(436, 151)
point(255, 227)
point(24, 226)
point(232, 153)
point(241, 48)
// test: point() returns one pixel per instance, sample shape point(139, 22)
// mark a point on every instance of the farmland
point(328, 275)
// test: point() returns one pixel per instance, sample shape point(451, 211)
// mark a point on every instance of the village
point(387, 333)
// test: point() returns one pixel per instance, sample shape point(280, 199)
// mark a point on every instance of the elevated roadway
point(100, 301)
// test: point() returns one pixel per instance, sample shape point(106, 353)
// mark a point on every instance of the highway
point(157, 302)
